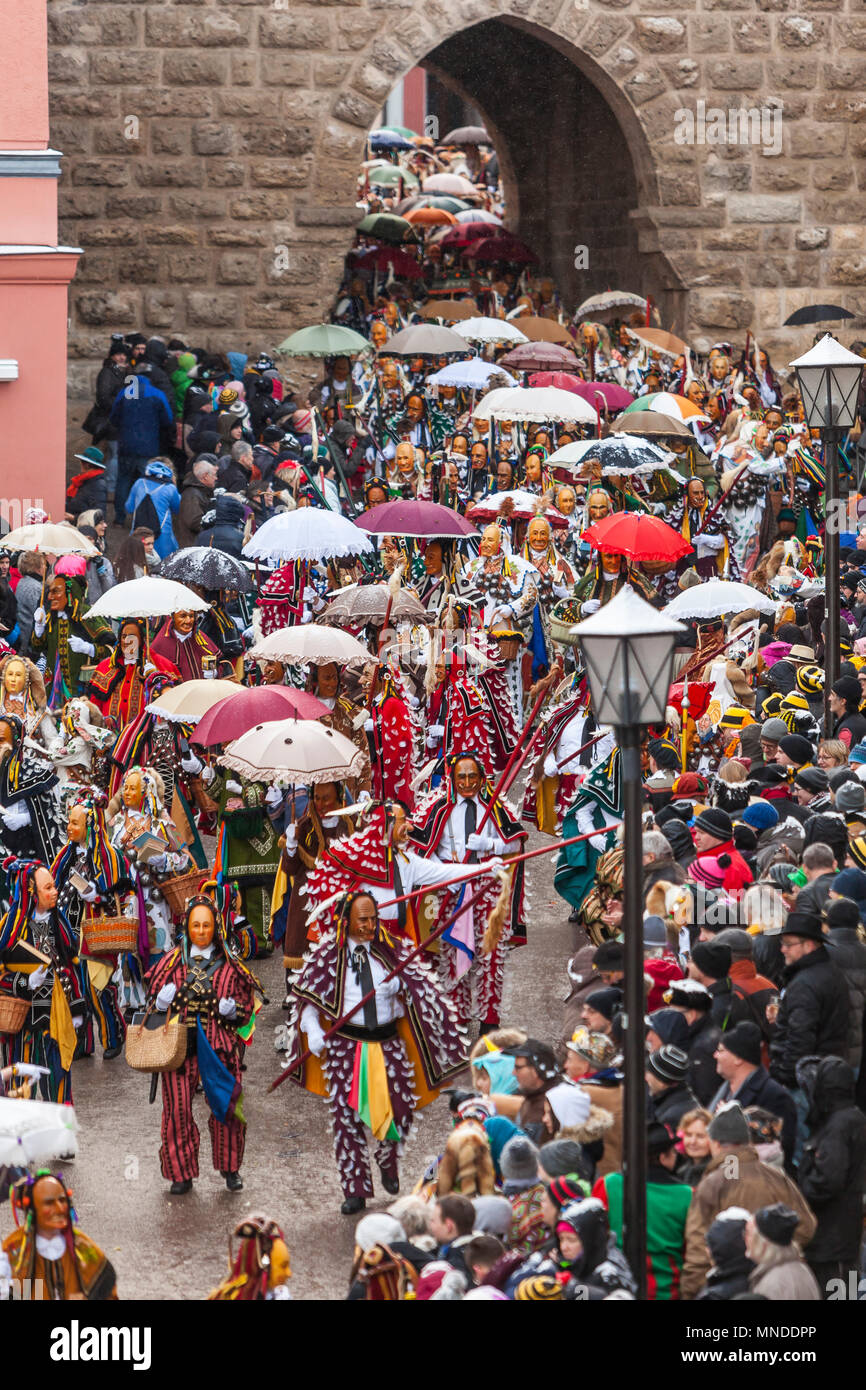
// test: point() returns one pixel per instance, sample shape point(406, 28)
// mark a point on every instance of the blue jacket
point(165, 498)
point(139, 413)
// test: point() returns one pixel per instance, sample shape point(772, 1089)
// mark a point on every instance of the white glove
point(710, 543)
point(492, 866)
point(78, 644)
point(389, 989)
point(165, 997)
point(291, 838)
point(40, 622)
point(436, 731)
point(228, 1008)
point(37, 978)
point(190, 763)
point(476, 841)
point(551, 766)
point(31, 1071)
point(234, 787)
point(15, 817)
point(369, 726)
point(591, 605)
point(310, 594)
point(316, 1043)
point(209, 675)
point(77, 1022)
point(90, 893)
point(364, 797)
point(273, 796)
point(208, 774)
point(248, 633)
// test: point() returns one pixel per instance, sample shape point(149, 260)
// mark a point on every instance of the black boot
point(353, 1205)
point(390, 1182)
point(179, 1189)
point(234, 1181)
point(111, 1052)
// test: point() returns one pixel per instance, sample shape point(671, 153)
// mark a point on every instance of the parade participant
point(58, 1007)
point(28, 811)
point(67, 640)
point(711, 553)
point(507, 584)
point(303, 845)
point(259, 1271)
point(389, 731)
point(325, 682)
point(604, 579)
point(205, 985)
point(557, 763)
point(389, 1057)
point(48, 1256)
point(557, 576)
point(454, 827)
point(247, 852)
point(184, 648)
point(22, 692)
point(121, 686)
point(457, 712)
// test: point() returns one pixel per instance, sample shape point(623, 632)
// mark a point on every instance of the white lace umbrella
point(717, 597)
point(293, 752)
point(53, 537)
point(489, 330)
point(310, 642)
point(539, 403)
point(307, 534)
point(187, 702)
point(36, 1131)
point(151, 596)
point(473, 374)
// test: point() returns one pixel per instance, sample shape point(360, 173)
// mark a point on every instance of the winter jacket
point(813, 897)
point(668, 1202)
point(832, 1171)
point(195, 500)
point(141, 414)
point(701, 1045)
point(813, 1015)
point(848, 952)
point(784, 1277)
point(108, 383)
point(760, 1089)
point(28, 596)
point(91, 494)
point(729, 1007)
point(264, 459)
point(767, 956)
point(745, 1182)
point(156, 353)
point(758, 991)
point(671, 1104)
point(606, 1091)
point(227, 531)
point(100, 578)
point(158, 485)
point(232, 476)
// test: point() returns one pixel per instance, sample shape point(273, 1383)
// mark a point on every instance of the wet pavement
point(167, 1247)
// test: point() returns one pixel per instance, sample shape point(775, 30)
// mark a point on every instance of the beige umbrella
point(539, 330)
point(293, 752)
point(53, 537)
point(187, 702)
point(660, 341)
point(309, 642)
point(368, 603)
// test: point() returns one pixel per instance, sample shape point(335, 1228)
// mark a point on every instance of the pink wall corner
point(28, 212)
point(24, 77)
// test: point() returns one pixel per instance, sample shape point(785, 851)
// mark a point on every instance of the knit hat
point(848, 687)
point(540, 1288)
point(570, 1104)
point(851, 796)
point(670, 1064)
point(670, 1025)
point(610, 955)
point(777, 1223)
point(654, 933)
point(797, 748)
point(519, 1159)
point(851, 883)
point(596, 1048)
point(729, 1125)
point(745, 839)
point(744, 1041)
point(538, 1054)
point(658, 1138)
point(715, 822)
point(691, 786)
point(774, 730)
point(712, 959)
point(737, 940)
point(812, 779)
point(858, 752)
point(688, 994)
point(735, 717)
point(760, 816)
point(563, 1189)
point(561, 1156)
point(272, 434)
point(606, 1001)
point(492, 1215)
point(841, 912)
point(810, 679)
point(805, 924)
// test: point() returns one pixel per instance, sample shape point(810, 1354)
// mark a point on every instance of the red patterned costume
point(190, 657)
point(458, 707)
point(120, 691)
point(391, 744)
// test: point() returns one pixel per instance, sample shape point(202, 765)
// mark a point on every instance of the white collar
point(51, 1247)
point(354, 944)
point(197, 951)
point(181, 636)
point(41, 916)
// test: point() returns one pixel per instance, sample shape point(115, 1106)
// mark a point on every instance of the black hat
point(610, 955)
point(658, 1138)
point(729, 1125)
point(745, 837)
point(670, 1025)
point(538, 1054)
point(688, 994)
point(664, 753)
point(605, 1001)
point(770, 774)
point(715, 822)
point(812, 779)
point(805, 924)
point(712, 958)
point(842, 913)
point(669, 1064)
point(744, 1041)
point(797, 748)
point(849, 688)
point(272, 434)
point(777, 1223)
point(676, 832)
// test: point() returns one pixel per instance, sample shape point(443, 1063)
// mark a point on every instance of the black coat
point(731, 1265)
point(767, 956)
point(108, 383)
point(813, 1015)
point(701, 1044)
point(760, 1089)
point(849, 953)
point(227, 531)
point(670, 1105)
point(729, 1008)
point(832, 1172)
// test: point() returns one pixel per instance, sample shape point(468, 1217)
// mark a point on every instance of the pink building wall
point(34, 279)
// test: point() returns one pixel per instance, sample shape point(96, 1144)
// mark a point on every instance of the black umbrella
point(817, 313)
point(209, 568)
point(467, 135)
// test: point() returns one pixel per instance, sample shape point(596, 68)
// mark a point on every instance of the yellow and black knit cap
point(857, 850)
point(735, 717)
point(810, 679)
point(542, 1289)
point(772, 705)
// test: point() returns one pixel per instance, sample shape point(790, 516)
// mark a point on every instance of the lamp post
point(628, 649)
point(828, 376)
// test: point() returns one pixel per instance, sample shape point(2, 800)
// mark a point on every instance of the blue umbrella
point(385, 139)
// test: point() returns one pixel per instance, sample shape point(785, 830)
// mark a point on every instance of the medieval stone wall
point(211, 151)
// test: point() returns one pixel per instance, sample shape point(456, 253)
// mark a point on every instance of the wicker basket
point(13, 1014)
point(110, 936)
point(563, 616)
point(156, 1049)
point(178, 888)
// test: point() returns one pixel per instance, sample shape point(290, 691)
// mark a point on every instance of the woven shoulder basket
point(110, 936)
point(156, 1048)
point(13, 1014)
point(563, 616)
point(177, 889)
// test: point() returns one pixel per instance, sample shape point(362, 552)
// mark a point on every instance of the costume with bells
point(67, 640)
point(51, 1263)
point(121, 685)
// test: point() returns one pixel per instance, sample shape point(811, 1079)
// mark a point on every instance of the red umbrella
point(381, 257)
point(236, 714)
point(564, 381)
point(465, 233)
point(637, 536)
point(539, 357)
point(616, 397)
point(502, 248)
point(412, 518)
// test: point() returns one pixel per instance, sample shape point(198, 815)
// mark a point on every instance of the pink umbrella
point(615, 396)
point(413, 518)
point(236, 714)
point(565, 381)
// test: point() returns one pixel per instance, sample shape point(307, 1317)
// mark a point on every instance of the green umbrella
point(404, 131)
point(386, 227)
point(387, 174)
point(323, 340)
point(446, 203)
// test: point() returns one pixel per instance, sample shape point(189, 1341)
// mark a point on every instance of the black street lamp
point(828, 376)
point(628, 650)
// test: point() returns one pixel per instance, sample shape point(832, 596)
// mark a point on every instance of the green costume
point(248, 851)
point(667, 1206)
point(63, 666)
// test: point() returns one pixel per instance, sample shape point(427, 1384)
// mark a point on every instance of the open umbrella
point(151, 596)
point(615, 396)
point(426, 340)
point(444, 201)
point(488, 330)
point(233, 716)
point(609, 300)
point(540, 357)
point(431, 217)
point(524, 508)
point(187, 702)
point(817, 313)
point(295, 646)
point(562, 381)
point(36, 1131)
point(540, 404)
point(619, 453)
point(479, 215)
point(450, 183)
point(463, 234)
point(539, 330)
point(453, 309)
point(386, 138)
point(660, 341)
point(368, 603)
point(501, 248)
point(309, 533)
point(53, 537)
point(424, 520)
point(385, 175)
point(716, 598)
point(293, 752)
point(323, 340)
point(207, 567)
point(387, 258)
point(638, 536)
point(667, 403)
point(473, 374)
point(466, 135)
point(385, 226)
point(651, 423)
